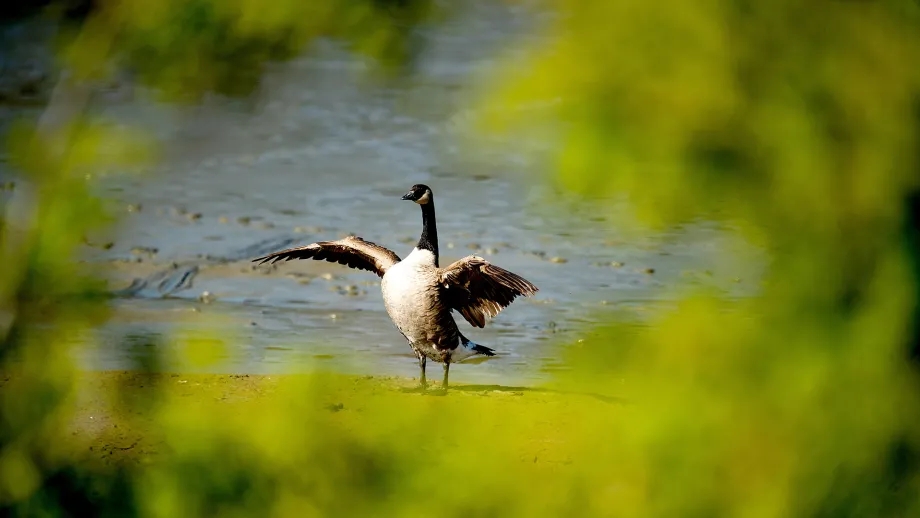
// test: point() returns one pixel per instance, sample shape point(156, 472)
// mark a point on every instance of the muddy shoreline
point(114, 420)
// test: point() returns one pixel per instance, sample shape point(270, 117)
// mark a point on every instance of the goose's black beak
point(407, 196)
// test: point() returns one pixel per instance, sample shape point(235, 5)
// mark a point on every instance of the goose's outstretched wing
point(351, 251)
point(479, 289)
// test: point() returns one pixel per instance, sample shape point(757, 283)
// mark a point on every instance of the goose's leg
point(421, 363)
point(446, 372)
point(423, 382)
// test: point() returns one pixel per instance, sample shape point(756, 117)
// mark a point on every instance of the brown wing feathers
point(478, 289)
point(352, 251)
point(472, 286)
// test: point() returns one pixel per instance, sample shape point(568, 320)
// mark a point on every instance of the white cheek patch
point(425, 198)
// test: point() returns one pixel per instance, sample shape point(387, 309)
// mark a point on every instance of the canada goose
point(419, 295)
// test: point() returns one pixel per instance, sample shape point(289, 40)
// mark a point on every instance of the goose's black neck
point(429, 239)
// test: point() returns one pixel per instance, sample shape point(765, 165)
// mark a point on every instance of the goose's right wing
point(478, 289)
point(351, 251)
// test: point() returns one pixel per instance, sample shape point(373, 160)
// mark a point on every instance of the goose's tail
point(471, 348)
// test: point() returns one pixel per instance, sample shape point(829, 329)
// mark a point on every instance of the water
point(321, 153)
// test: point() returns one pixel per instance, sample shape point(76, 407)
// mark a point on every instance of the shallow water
point(321, 153)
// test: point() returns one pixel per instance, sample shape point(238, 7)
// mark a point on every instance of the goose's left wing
point(478, 289)
point(351, 251)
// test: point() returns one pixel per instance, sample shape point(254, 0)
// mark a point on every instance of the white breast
point(408, 288)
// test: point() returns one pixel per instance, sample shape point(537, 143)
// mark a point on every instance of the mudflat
point(128, 417)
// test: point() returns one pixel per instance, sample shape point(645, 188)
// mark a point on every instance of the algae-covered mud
point(116, 415)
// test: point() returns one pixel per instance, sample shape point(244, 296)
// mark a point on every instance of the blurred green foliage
point(187, 48)
point(46, 296)
point(796, 123)
point(799, 125)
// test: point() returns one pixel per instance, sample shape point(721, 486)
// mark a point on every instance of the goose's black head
point(419, 193)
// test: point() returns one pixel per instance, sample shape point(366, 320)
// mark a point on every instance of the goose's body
point(418, 294)
point(410, 291)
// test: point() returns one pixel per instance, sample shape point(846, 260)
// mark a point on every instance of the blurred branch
point(68, 101)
